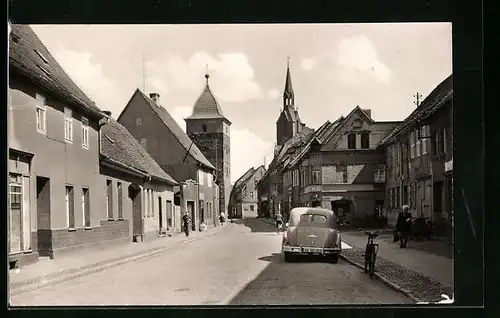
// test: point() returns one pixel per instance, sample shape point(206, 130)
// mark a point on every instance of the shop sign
point(448, 166)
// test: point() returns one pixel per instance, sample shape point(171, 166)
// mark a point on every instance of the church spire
point(288, 96)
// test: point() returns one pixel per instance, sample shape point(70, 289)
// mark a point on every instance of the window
point(144, 143)
point(68, 125)
point(365, 140)
point(86, 208)
point(109, 199)
point(425, 130)
point(15, 215)
point(204, 128)
point(251, 194)
point(85, 133)
point(210, 179)
point(138, 122)
point(351, 141)
point(412, 145)
point(169, 214)
point(314, 220)
point(379, 174)
point(120, 201)
point(41, 114)
point(316, 177)
point(251, 208)
point(445, 140)
point(70, 208)
point(417, 144)
point(201, 177)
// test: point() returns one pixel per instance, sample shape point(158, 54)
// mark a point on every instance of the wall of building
point(152, 220)
point(62, 162)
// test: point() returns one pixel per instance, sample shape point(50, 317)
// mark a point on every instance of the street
point(241, 265)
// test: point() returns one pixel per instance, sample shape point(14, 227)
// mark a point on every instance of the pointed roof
point(288, 93)
point(176, 130)
point(120, 147)
point(207, 106)
point(29, 57)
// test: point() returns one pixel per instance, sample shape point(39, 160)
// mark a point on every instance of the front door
point(191, 212)
point(201, 211)
point(160, 215)
point(137, 220)
point(43, 216)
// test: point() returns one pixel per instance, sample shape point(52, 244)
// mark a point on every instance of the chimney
point(107, 113)
point(368, 112)
point(155, 97)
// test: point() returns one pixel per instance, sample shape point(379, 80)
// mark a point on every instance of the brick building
point(158, 133)
point(210, 131)
point(243, 200)
point(419, 159)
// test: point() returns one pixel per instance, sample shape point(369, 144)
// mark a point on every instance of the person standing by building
point(186, 220)
point(222, 217)
point(403, 226)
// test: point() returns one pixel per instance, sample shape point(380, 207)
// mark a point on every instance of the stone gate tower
point(210, 131)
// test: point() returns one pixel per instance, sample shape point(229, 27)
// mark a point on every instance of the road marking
point(345, 246)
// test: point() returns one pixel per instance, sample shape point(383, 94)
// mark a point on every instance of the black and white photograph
point(230, 164)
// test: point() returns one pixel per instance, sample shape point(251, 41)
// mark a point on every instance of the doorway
point(44, 232)
point(201, 211)
point(342, 209)
point(191, 212)
point(134, 193)
point(160, 216)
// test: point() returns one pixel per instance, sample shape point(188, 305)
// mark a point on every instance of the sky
point(334, 68)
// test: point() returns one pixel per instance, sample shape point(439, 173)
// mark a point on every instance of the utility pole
point(144, 72)
point(417, 97)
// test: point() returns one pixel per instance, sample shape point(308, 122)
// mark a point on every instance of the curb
point(70, 274)
point(394, 286)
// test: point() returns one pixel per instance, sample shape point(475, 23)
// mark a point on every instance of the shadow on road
point(255, 225)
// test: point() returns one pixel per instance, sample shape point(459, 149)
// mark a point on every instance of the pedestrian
point(222, 217)
point(186, 221)
point(403, 222)
point(279, 221)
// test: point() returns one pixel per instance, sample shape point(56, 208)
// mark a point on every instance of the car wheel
point(288, 257)
point(334, 259)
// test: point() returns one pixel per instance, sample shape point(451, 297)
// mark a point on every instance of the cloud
point(309, 63)
point(179, 113)
point(231, 75)
point(273, 93)
point(248, 150)
point(356, 56)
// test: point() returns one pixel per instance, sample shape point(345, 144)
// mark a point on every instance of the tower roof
point(288, 93)
point(206, 105)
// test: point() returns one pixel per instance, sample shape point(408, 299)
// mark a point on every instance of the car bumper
point(314, 250)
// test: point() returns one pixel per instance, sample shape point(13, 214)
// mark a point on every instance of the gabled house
point(244, 200)
point(139, 194)
point(419, 159)
point(340, 169)
point(158, 133)
point(53, 154)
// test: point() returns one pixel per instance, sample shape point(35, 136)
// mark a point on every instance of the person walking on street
point(222, 217)
point(186, 221)
point(279, 221)
point(404, 226)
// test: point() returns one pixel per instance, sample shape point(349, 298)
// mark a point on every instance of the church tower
point(210, 131)
point(288, 123)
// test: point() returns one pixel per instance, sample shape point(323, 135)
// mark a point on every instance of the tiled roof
point(120, 146)
point(436, 99)
point(177, 131)
point(29, 57)
point(206, 106)
point(243, 178)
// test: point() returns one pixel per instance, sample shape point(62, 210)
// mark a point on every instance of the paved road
point(240, 266)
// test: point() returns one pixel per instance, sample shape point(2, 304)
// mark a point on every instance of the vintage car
point(311, 231)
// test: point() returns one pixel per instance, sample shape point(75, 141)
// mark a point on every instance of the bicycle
point(371, 253)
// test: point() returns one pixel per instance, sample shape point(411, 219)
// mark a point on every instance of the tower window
point(204, 127)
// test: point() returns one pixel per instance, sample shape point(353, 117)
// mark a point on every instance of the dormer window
point(46, 71)
point(42, 57)
point(365, 140)
point(351, 141)
point(138, 122)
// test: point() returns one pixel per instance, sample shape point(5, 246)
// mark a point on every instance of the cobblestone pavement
point(425, 275)
point(240, 265)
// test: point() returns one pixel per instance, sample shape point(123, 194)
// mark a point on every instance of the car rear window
point(313, 220)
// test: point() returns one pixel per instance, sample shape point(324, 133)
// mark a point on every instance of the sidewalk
point(424, 275)
point(48, 271)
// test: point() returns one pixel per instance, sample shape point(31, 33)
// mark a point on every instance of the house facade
point(419, 160)
point(210, 131)
point(176, 153)
point(53, 147)
point(139, 194)
point(244, 201)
